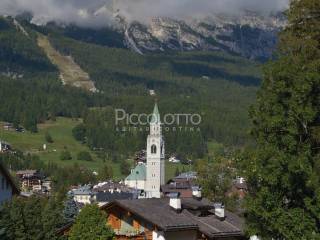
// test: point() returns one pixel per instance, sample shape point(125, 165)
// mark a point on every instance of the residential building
point(186, 176)
point(111, 186)
point(173, 218)
point(7, 186)
point(30, 179)
point(239, 188)
point(174, 159)
point(183, 184)
point(102, 193)
point(83, 195)
point(47, 184)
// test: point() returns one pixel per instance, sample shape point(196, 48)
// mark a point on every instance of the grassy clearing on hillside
point(61, 133)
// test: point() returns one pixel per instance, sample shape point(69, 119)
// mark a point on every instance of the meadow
point(61, 133)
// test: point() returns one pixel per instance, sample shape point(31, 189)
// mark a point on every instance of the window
point(153, 149)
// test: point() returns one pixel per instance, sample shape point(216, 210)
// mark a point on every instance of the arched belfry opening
point(153, 149)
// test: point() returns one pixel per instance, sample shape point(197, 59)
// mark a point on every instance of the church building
point(150, 176)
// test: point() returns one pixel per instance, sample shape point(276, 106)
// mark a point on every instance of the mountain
point(41, 68)
point(250, 34)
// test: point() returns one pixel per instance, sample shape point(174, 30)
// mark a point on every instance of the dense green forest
point(218, 86)
point(283, 169)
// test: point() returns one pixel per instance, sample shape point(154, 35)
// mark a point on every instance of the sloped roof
point(213, 227)
point(27, 172)
point(159, 213)
point(109, 197)
point(83, 190)
point(187, 175)
point(7, 175)
point(138, 173)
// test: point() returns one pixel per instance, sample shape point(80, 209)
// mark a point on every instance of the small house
point(83, 195)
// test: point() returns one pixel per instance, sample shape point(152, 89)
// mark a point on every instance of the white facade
point(136, 184)
point(5, 189)
point(85, 199)
point(155, 157)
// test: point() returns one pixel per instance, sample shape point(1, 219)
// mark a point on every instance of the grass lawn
point(61, 133)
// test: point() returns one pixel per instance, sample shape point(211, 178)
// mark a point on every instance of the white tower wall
point(155, 158)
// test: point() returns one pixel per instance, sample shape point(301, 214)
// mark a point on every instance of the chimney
point(175, 201)
point(219, 211)
point(196, 192)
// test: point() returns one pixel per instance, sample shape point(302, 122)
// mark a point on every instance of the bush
point(79, 132)
point(84, 156)
point(65, 155)
point(48, 138)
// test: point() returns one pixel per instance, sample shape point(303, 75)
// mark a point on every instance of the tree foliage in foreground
point(91, 224)
point(284, 201)
point(30, 218)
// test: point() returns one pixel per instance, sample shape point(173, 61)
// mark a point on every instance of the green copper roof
point(138, 173)
point(155, 115)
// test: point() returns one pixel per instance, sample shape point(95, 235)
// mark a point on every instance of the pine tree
point(284, 200)
point(52, 219)
point(71, 209)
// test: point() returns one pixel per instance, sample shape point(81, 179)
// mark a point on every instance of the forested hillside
point(218, 86)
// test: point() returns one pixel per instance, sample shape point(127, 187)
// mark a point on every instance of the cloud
point(139, 9)
point(100, 12)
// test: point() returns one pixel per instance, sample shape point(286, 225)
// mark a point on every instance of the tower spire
point(155, 115)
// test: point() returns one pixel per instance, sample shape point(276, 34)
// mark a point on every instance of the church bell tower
point(155, 157)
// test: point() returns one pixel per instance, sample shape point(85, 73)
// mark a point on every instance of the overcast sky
point(84, 12)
